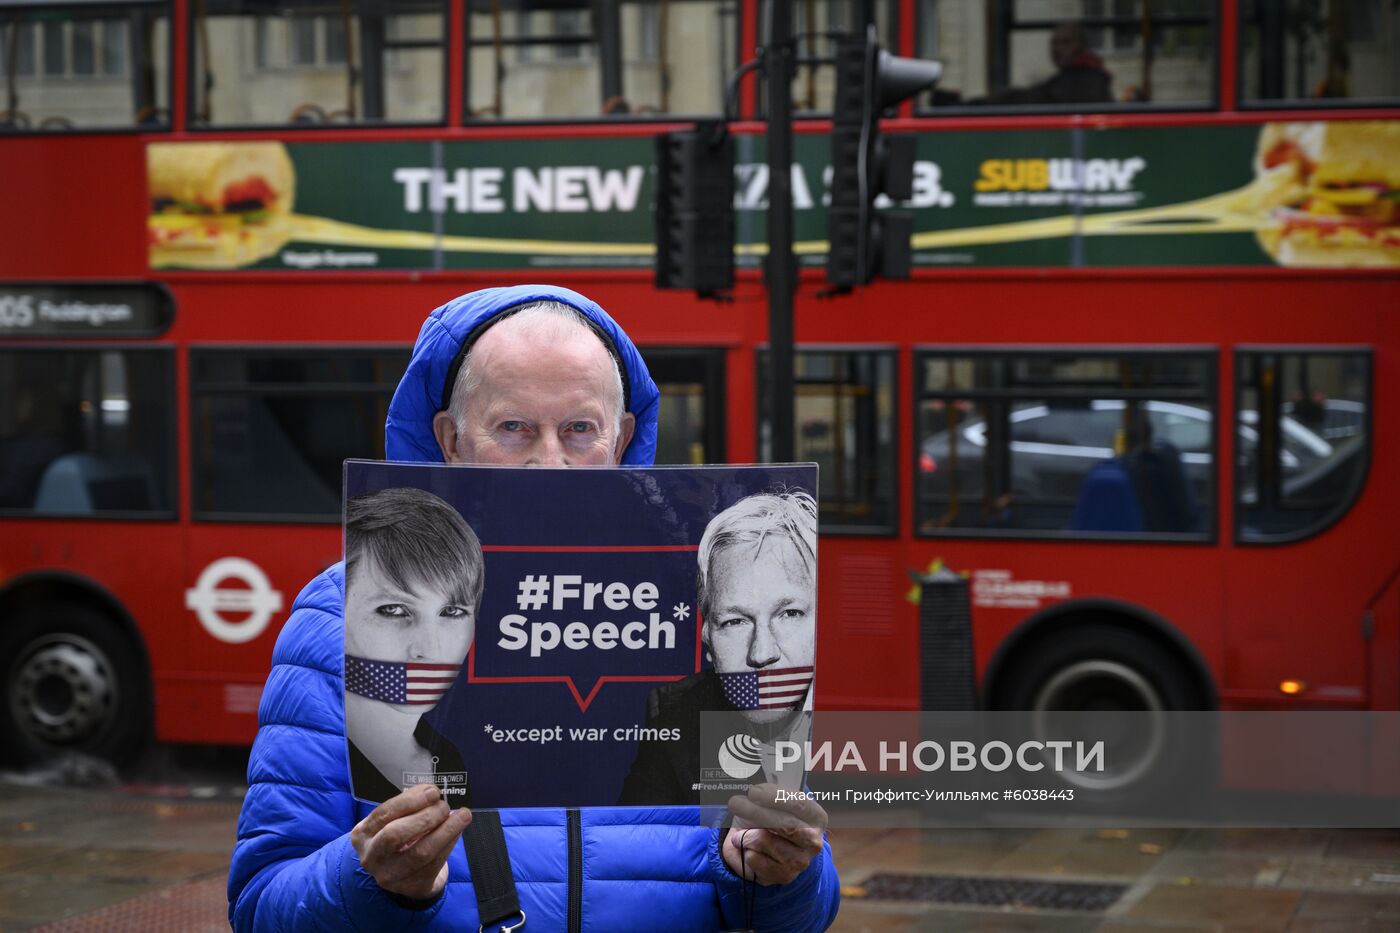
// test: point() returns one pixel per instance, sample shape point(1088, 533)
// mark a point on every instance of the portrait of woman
point(414, 574)
point(756, 588)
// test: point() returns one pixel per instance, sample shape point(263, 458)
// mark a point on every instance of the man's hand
point(779, 838)
point(405, 842)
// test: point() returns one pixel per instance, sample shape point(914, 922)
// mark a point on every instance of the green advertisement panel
point(1290, 194)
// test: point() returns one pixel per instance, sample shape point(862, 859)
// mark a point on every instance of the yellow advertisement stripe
point(1218, 214)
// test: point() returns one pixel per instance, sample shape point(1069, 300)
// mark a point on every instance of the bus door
point(1307, 558)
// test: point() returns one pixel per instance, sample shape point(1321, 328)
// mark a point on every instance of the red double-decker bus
point(1136, 386)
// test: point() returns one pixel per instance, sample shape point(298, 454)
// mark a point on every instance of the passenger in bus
point(756, 581)
point(1079, 78)
point(1163, 491)
point(524, 375)
point(1144, 490)
point(33, 440)
point(413, 579)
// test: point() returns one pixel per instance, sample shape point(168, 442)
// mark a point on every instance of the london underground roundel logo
point(254, 600)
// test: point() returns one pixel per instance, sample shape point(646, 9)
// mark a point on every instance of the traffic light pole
point(781, 270)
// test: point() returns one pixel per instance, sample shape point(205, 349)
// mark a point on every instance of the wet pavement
point(152, 855)
point(98, 860)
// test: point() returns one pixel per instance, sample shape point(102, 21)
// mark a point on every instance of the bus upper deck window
point(1068, 56)
point(304, 62)
point(566, 59)
point(81, 66)
point(1318, 53)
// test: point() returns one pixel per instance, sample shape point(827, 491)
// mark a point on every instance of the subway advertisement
point(1306, 195)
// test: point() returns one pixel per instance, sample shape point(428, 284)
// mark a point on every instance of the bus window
point(845, 424)
point(691, 428)
point(78, 66)
point(569, 59)
point(1317, 52)
point(271, 428)
point(1082, 443)
point(816, 27)
point(1074, 56)
point(87, 432)
point(1302, 442)
point(277, 62)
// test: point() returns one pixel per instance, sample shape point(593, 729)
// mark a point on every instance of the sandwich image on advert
point(1335, 189)
point(218, 205)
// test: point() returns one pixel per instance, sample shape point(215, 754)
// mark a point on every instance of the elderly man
point(527, 375)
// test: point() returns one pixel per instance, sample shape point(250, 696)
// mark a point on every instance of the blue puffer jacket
point(293, 865)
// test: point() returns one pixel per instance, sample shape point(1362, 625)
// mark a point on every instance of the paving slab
point(1084, 856)
point(1330, 904)
point(1364, 844)
point(17, 857)
point(142, 865)
point(1371, 877)
point(27, 901)
point(1226, 908)
point(1196, 867)
point(1294, 843)
point(193, 907)
point(898, 850)
point(862, 918)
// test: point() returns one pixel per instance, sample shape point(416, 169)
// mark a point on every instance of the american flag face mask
point(768, 688)
point(404, 683)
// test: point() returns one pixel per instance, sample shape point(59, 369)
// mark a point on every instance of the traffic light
point(864, 241)
point(695, 209)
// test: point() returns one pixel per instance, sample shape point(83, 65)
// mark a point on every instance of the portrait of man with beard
point(757, 595)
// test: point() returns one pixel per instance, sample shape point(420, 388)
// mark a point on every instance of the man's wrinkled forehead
point(535, 353)
point(474, 337)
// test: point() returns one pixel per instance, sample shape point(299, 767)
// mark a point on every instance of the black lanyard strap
point(492, 880)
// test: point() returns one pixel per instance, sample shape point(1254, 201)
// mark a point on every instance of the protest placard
point(550, 637)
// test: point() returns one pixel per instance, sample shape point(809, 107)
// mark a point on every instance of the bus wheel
point(73, 683)
point(1071, 685)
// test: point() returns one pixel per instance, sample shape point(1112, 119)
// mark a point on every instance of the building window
point(73, 48)
point(275, 62)
point(303, 40)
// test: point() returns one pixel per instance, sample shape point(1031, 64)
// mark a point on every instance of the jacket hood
point(408, 432)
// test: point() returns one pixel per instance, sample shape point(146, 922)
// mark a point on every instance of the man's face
point(762, 611)
point(538, 404)
point(386, 623)
point(1064, 45)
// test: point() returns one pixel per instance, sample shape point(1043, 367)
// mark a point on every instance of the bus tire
point(73, 682)
point(1106, 668)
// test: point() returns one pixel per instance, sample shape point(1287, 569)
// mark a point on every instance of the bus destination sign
point(45, 309)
